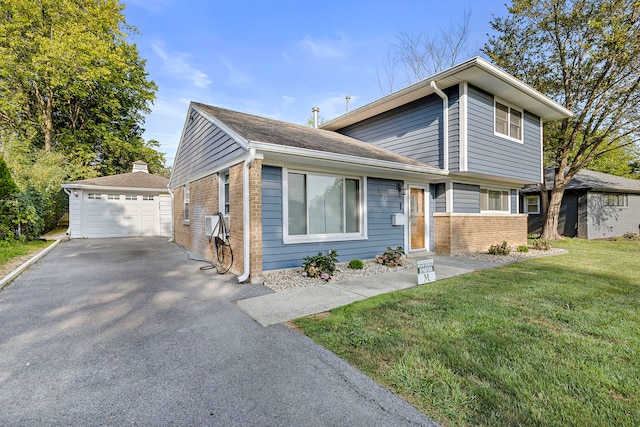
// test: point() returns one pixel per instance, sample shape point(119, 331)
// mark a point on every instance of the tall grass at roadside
point(9, 250)
point(550, 341)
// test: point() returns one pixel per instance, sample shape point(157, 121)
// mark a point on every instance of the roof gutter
point(445, 123)
point(246, 215)
point(66, 190)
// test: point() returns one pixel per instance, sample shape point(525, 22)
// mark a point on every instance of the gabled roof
point(131, 180)
point(476, 71)
point(255, 129)
point(591, 180)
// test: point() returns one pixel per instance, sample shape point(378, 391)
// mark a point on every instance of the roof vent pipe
point(315, 111)
point(348, 98)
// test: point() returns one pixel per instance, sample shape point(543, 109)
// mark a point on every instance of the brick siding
point(460, 233)
point(204, 200)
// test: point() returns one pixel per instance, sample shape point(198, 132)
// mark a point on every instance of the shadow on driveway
point(128, 331)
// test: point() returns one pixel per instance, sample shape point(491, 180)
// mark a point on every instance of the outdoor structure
point(595, 205)
point(125, 205)
point(433, 167)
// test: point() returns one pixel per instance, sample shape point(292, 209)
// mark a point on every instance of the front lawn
point(549, 341)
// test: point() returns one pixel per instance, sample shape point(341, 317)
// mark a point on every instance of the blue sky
point(278, 59)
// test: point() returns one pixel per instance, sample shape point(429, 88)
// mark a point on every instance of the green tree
point(69, 79)
point(8, 186)
point(619, 161)
point(584, 54)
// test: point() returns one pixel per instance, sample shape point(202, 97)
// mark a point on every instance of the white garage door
point(120, 215)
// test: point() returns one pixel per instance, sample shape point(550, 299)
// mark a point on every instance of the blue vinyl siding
point(466, 198)
point(494, 155)
point(204, 146)
point(383, 200)
point(414, 130)
point(440, 197)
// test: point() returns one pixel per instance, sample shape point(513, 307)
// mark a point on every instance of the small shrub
point(391, 257)
point(502, 249)
point(630, 236)
point(542, 244)
point(356, 264)
point(322, 266)
point(523, 248)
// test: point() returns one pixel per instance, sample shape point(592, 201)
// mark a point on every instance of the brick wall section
point(204, 201)
point(255, 203)
point(459, 233)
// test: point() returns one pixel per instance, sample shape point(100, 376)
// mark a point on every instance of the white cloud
point(178, 64)
point(324, 48)
point(236, 75)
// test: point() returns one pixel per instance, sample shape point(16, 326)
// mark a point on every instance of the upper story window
point(508, 121)
point(531, 204)
point(494, 200)
point(616, 199)
point(324, 207)
point(187, 198)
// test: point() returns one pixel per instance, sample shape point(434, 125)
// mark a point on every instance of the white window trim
point(222, 200)
point(525, 205)
point(511, 107)
point(314, 238)
point(186, 201)
point(503, 211)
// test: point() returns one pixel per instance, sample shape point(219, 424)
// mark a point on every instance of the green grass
point(551, 341)
point(10, 250)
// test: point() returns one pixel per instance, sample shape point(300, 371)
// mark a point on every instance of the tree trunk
point(48, 123)
point(550, 228)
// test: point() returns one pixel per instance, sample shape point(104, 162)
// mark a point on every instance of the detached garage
point(126, 205)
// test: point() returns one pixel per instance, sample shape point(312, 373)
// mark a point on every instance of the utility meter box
point(426, 273)
point(398, 219)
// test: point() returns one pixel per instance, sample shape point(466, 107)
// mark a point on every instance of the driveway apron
point(129, 331)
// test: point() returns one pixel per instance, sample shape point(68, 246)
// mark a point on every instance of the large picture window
point(323, 205)
point(508, 121)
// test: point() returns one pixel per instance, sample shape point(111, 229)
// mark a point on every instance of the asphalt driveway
point(129, 331)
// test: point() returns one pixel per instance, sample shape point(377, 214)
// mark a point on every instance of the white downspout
point(246, 217)
point(173, 216)
point(445, 124)
point(66, 190)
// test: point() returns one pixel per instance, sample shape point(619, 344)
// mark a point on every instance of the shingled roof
point(261, 129)
point(591, 180)
point(133, 180)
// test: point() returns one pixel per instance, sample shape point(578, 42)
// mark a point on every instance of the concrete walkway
point(287, 305)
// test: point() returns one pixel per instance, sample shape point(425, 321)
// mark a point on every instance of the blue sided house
point(435, 167)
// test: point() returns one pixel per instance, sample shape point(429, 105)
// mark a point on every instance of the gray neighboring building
point(596, 205)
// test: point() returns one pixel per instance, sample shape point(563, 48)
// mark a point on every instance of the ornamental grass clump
point(320, 266)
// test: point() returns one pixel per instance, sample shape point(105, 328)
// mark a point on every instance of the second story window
point(508, 121)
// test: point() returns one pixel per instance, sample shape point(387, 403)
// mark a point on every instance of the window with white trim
point(95, 196)
point(615, 199)
point(187, 198)
point(148, 197)
point(508, 121)
point(494, 200)
point(224, 192)
point(113, 197)
point(323, 206)
point(131, 197)
point(531, 204)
